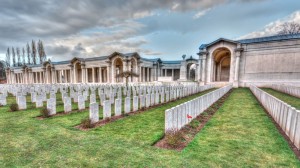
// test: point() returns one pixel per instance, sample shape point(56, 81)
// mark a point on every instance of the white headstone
point(127, 105)
point(106, 109)
point(94, 113)
point(22, 102)
point(67, 104)
point(51, 106)
point(135, 103)
point(81, 102)
point(118, 107)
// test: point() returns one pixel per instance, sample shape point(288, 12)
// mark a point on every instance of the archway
point(191, 71)
point(78, 72)
point(221, 65)
point(118, 69)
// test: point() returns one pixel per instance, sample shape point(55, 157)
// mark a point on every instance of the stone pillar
point(100, 75)
point(237, 65)
point(144, 74)
point(43, 77)
point(148, 74)
point(155, 72)
point(83, 73)
point(7, 77)
point(108, 74)
point(172, 74)
point(140, 73)
point(166, 72)
point(93, 73)
point(199, 69)
point(53, 75)
point(203, 55)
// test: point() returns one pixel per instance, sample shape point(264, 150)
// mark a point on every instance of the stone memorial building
point(273, 59)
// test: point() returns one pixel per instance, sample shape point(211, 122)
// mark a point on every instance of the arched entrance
point(221, 65)
point(78, 72)
point(118, 69)
point(191, 71)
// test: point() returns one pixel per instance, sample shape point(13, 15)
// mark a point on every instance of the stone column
point(7, 77)
point(148, 74)
point(140, 73)
point(237, 65)
point(166, 72)
point(53, 75)
point(93, 73)
point(202, 56)
point(144, 74)
point(172, 74)
point(100, 75)
point(86, 75)
point(83, 73)
point(155, 72)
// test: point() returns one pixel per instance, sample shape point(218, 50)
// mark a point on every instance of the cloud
point(274, 27)
point(98, 26)
point(201, 13)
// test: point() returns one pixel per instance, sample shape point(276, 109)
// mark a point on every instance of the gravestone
point(39, 101)
point(156, 98)
point(102, 99)
point(33, 97)
point(3, 101)
point(152, 99)
point(162, 97)
point(67, 104)
point(22, 102)
point(148, 100)
point(118, 107)
point(142, 101)
point(167, 96)
point(135, 103)
point(81, 102)
point(92, 98)
point(127, 105)
point(51, 106)
point(94, 113)
point(106, 109)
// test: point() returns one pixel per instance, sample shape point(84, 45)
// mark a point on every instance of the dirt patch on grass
point(188, 132)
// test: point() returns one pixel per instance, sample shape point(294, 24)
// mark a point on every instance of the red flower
point(188, 116)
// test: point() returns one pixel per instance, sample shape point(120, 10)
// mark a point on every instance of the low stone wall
point(286, 116)
point(177, 117)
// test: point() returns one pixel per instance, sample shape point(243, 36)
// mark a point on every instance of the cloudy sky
point(153, 28)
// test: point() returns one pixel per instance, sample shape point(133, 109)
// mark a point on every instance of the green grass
point(291, 100)
point(239, 135)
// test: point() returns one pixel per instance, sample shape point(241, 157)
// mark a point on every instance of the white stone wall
point(270, 62)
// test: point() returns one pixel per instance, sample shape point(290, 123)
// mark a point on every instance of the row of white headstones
point(137, 96)
point(286, 116)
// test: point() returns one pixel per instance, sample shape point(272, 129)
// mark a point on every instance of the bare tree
point(289, 28)
point(28, 54)
point(126, 75)
point(14, 56)
point(33, 52)
point(23, 56)
point(8, 58)
point(19, 56)
point(41, 51)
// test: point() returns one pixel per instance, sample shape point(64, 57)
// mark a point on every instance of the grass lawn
point(239, 135)
point(291, 100)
